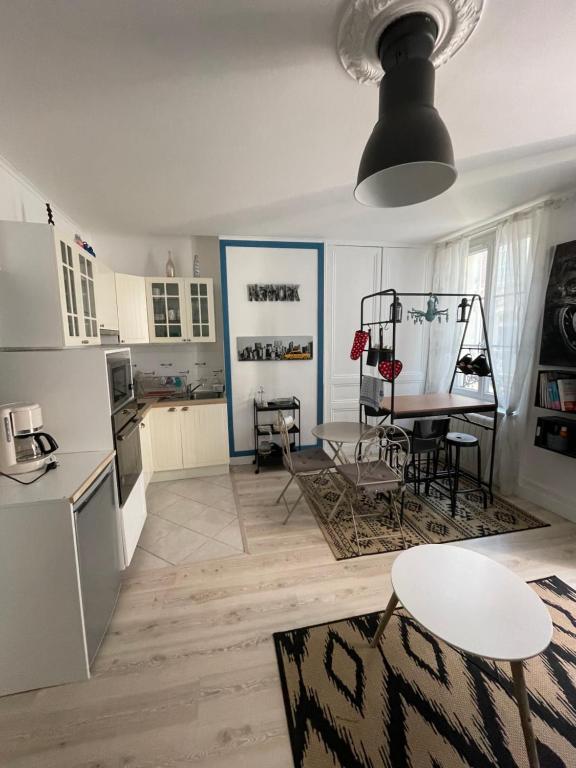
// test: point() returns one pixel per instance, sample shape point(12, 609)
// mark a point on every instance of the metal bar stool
point(426, 439)
point(458, 441)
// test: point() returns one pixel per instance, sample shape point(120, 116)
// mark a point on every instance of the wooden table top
point(436, 404)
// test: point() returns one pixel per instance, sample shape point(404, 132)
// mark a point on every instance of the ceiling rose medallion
point(364, 21)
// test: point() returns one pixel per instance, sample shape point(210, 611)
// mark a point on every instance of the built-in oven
point(120, 383)
point(126, 428)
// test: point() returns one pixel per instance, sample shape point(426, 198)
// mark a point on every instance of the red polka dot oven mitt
point(389, 369)
point(359, 344)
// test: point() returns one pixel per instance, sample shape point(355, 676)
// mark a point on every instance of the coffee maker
point(23, 445)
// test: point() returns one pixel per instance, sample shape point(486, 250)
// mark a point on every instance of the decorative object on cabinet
point(393, 406)
point(359, 344)
point(268, 348)
point(559, 324)
point(430, 313)
point(48, 298)
point(281, 292)
point(170, 267)
point(50, 214)
point(83, 244)
point(268, 453)
point(196, 266)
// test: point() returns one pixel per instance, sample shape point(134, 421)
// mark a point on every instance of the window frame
point(484, 241)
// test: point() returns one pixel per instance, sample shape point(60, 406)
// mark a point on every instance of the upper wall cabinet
point(47, 288)
point(106, 297)
point(132, 314)
point(180, 309)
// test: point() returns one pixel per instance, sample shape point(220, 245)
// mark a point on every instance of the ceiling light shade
point(409, 156)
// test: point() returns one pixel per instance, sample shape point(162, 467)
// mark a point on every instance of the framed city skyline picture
point(270, 348)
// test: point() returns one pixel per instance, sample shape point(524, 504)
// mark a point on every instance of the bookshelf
point(556, 390)
point(556, 434)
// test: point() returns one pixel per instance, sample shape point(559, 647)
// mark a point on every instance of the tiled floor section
point(188, 521)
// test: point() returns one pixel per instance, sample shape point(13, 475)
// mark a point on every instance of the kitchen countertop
point(148, 403)
point(73, 475)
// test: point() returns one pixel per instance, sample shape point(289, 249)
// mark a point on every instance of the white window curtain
point(518, 286)
point(449, 276)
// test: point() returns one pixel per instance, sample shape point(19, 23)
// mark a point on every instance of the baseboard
point(186, 474)
point(547, 498)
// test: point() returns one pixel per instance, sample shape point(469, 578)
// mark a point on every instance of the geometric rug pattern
point(427, 519)
point(415, 702)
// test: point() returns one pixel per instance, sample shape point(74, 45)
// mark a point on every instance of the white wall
point(547, 478)
point(279, 378)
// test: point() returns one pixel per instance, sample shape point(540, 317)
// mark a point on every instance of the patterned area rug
point(427, 519)
point(414, 702)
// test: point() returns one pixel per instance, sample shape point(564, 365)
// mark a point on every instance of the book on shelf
point(557, 391)
point(567, 394)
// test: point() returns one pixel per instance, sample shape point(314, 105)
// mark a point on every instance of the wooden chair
point(300, 463)
point(379, 467)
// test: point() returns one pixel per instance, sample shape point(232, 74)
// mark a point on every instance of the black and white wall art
point(559, 325)
point(266, 348)
point(282, 292)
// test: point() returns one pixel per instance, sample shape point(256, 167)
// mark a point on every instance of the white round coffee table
point(477, 606)
point(339, 433)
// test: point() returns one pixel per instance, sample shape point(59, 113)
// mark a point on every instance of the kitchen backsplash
point(195, 361)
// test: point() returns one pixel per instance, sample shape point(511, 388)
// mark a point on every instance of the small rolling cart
point(267, 452)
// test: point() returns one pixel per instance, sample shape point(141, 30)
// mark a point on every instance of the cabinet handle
point(185, 408)
point(142, 425)
point(85, 341)
point(171, 410)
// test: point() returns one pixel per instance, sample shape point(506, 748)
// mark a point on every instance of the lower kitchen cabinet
point(166, 439)
point(188, 436)
point(204, 435)
point(146, 449)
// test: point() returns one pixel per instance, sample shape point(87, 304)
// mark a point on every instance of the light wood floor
point(187, 675)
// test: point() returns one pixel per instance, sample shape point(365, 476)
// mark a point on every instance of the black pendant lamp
point(409, 156)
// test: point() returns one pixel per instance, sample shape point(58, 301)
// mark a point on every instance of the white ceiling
point(235, 116)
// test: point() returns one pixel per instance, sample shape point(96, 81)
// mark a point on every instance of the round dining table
point(340, 433)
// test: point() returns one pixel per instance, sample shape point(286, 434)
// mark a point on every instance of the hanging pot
point(374, 353)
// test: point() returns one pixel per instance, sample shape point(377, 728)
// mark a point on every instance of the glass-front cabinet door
point(166, 318)
point(68, 292)
point(89, 320)
point(200, 306)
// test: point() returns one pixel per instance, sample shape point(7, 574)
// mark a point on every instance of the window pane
point(203, 289)
point(205, 330)
point(159, 310)
point(175, 330)
point(195, 311)
point(157, 289)
point(172, 289)
point(193, 289)
point(195, 330)
point(160, 331)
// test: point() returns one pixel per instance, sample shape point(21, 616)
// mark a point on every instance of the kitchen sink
point(206, 394)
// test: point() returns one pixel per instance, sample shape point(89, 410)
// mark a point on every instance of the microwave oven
point(120, 383)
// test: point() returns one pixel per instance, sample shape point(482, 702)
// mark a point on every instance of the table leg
point(525, 717)
point(385, 619)
point(337, 448)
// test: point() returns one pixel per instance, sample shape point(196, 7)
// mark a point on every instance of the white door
point(69, 292)
point(199, 293)
point(106, 297)
point(351, 272)
point(132, 313)
point(204, 435)
point(146, 449)
point(167, 318)
point(166, 438)
point(89, 330)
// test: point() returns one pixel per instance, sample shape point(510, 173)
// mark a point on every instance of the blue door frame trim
point(319, 248)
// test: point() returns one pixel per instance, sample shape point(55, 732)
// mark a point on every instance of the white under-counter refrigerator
point(59, 570)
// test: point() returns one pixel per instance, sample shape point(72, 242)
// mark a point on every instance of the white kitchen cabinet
point(204, 435)
point(132, 313)
point(199, 297)
point(47, 290)
point(189, 436)
point(146, 449)
point(180, 309)
point(166, 438)
point(106, 297)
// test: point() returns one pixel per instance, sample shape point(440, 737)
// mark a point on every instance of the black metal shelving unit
point(262, 429)
point(391, 322)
